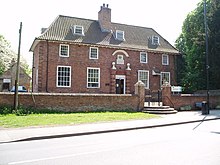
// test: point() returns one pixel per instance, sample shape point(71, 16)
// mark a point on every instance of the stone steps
point(153, 104)
point(159, 110)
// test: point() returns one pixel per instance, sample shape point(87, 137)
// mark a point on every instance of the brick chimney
point(104, 18)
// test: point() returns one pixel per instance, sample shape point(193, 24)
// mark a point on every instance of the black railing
point(153, 96)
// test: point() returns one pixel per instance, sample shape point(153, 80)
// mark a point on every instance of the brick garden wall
point(73, 102)
point(179, 100)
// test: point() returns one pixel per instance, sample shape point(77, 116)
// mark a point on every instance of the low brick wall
point(73, 102)
point(179, 100)
point(186, 99)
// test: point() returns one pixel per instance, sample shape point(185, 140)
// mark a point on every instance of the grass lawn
point(13, 121)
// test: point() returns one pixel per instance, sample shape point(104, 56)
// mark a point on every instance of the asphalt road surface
point(188, 144)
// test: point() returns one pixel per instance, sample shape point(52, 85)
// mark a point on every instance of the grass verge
point(15, 121)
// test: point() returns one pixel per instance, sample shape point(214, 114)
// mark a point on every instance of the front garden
point(31, 118)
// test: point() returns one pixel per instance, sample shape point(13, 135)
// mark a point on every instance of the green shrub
point(5, 110)
point(23, 111)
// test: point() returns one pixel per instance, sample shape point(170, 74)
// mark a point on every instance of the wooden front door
point(120, 86)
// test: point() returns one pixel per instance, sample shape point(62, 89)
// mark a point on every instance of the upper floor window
point(165, 59)
point(93, 77)
point(143, 75)
point(63, 76)
point(93, 53)
point(120, 35)
point(155, 40)
point(64, 50)
point(78, 30)
point(143, 57)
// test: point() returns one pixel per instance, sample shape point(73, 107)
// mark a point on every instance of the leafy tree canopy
point(7, 55)
point(191, 43)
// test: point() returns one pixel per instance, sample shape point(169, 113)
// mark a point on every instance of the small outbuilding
point(7, 79)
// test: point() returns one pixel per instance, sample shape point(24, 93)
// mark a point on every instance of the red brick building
point(7, 79)
point(98, 56)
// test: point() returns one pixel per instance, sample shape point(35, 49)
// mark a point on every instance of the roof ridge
point(65, 17)
point(77, 18)
point(132, 25)
point(49, 26)
point(98, 21)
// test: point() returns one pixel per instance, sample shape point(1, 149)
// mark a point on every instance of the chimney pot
point(104, 18)
point(43, 30)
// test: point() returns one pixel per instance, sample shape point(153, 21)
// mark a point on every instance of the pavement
point(39, 133)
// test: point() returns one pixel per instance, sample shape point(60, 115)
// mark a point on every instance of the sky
point(164, 16)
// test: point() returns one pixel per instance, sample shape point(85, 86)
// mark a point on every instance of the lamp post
point(207, 57)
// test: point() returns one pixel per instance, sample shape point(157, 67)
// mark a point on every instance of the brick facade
point(46, 60)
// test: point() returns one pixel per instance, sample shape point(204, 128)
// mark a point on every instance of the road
point(197, 144)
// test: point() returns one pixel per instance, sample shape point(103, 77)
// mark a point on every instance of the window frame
point(60, 50)
point(161, 78)
point(167, 61)
point(148, 76)
point(76, 27)
point(122, 33)
point(88, 68)
point(90, 53)
point(57, 77)
point(155, 40)
point(146, 55)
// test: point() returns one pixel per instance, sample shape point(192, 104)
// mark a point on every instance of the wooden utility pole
point(17, 71)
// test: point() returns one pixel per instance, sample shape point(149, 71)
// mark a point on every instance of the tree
point(191, 43)
point(214, 40)
point(7, 55)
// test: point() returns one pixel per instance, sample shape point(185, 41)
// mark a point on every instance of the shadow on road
point(200, 123)
point(215, 132)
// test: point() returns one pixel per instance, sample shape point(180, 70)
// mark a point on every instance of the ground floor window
point(93, 77)
point(143, 75)
point(63, 76)
point(165, 78)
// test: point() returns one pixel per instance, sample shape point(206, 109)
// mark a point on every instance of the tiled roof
point(135, 37)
